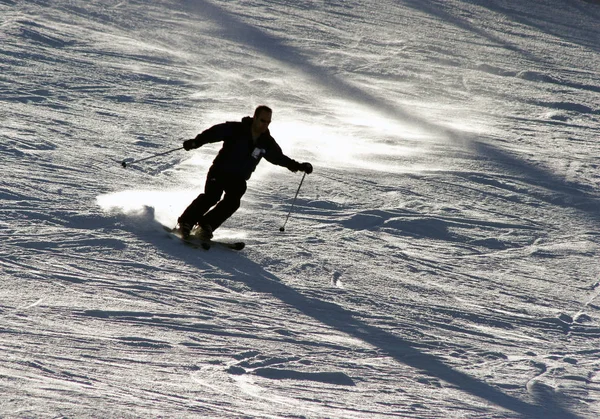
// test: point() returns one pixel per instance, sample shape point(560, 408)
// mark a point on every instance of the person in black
point(245, 143)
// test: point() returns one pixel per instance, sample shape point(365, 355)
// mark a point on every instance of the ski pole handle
point(282, 228)
point(124, 163)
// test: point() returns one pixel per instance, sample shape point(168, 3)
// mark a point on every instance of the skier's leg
point(195, 211)
point(234, 190)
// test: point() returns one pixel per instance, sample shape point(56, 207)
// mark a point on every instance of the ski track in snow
point(441, 262)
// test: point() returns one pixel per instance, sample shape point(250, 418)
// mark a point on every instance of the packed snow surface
point(440, 262)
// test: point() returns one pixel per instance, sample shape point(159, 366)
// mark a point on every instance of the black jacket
point(239, 155)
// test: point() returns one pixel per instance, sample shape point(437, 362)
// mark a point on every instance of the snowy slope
point(442, 260)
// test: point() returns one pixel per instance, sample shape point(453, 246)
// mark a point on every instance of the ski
point(198, 243)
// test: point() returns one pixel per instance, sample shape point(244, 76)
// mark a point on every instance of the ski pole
point(124, 164)
point(282, 228)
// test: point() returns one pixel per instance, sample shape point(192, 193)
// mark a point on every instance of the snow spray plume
point(282, 228)
point(125, 163)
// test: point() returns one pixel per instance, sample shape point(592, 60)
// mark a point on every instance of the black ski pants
point(198, 211)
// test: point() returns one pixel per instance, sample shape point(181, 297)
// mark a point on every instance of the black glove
point(306, 168)
point(190, 144)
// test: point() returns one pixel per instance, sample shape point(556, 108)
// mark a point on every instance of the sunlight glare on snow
point(354, 145)
point(360, 116)
point(322, 142)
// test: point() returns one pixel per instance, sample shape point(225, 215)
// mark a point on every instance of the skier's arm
point(214, 134)
point(275, 155)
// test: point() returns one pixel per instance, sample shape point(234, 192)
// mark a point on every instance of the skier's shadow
point(239, 267)
point(259, 280)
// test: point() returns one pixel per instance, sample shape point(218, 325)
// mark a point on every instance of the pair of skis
point(200, 243)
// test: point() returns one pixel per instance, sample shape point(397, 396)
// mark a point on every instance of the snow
point(441, 261)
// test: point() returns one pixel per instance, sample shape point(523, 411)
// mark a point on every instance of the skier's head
point(261, 119)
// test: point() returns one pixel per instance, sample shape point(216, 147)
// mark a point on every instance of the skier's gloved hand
point(294, 166)
point(190, 144)
point(306, 168)
point(303, 167)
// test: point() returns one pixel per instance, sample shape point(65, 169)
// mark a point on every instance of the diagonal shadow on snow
point(534, 21)
point(566, 35)
point(564, 194)
point(343, 320)
point(538, 22)
point(236, 30)
point(239, 268)
point(438, 10)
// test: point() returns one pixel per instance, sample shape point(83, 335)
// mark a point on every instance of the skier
point(245, 143)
